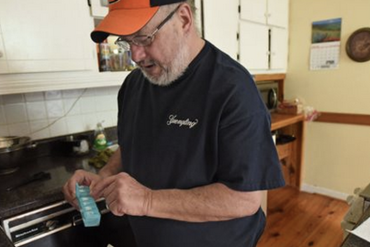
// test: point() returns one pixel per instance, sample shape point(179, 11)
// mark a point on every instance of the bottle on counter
point(105, 57)
point(100, 139)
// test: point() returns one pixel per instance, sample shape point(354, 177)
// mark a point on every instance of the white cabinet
point(270, 12)
point(263, 48)
point(263, 31)
point(220, 22)
point(46, 36)
point(254, 46)
point(278, 13)
point(99, 8)
point(3, 61)
point(278, 48)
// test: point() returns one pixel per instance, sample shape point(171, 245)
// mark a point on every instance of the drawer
point(284, 150)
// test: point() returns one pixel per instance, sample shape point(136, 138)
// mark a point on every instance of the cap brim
point(122, 22)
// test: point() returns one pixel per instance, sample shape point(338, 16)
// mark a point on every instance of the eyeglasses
point(146, 40)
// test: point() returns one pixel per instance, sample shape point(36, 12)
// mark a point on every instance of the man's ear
point(186, 17)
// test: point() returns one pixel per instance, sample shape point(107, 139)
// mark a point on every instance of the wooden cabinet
point(220, 23)
point(290, 153)
point(44, 36)
point(264, 35)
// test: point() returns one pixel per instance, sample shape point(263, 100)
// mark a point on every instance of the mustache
point(149, 63)
point(146, 63)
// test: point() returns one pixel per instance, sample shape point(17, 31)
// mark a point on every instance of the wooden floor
point(300, 219)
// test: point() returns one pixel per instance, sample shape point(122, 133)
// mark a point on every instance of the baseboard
point(323, 191)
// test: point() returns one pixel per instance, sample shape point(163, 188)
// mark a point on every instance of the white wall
point(337, 156)
point(55, 113)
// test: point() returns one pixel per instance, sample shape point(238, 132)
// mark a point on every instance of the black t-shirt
point(209, 126)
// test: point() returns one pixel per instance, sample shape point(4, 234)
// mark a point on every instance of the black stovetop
point(46, 157)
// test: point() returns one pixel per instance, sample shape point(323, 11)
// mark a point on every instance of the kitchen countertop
point(38, 193)
point(279, 120)
point(4, 240)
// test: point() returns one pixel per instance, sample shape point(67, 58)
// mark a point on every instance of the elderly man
point(195, 148)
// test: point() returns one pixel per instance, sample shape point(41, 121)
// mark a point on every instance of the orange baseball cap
point(126, 17)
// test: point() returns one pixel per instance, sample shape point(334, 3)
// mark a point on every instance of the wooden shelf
point(290, 154)
point(279, 120)
point(269, 77)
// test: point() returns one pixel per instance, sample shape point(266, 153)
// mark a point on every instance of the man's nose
point(137, 53)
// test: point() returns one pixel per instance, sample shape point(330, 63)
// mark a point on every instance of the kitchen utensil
point(40, 176)
point(9, 141)
point(75, 146)
point(6, 141)
point(12, 152)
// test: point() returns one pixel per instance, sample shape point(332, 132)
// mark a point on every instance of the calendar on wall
point(325, 45)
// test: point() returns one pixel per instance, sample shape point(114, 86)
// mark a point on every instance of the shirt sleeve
point(248, 158)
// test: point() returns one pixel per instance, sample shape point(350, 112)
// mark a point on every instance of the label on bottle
point(100, 142)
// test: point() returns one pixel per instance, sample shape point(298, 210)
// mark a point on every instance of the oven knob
point(51, 224)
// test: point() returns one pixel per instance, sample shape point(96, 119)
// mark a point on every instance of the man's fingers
point(97, 189)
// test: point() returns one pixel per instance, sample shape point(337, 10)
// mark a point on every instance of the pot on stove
point(12, 151)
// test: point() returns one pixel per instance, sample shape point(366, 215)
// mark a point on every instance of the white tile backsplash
point(19, 129)
point(90, 92)
point(75, 93)
point(4, 130)
point(40, 129)
point(87, 105)
point(52, 95)
point(58, 127)
point(33, 97)
point(13, 99)
point(36, 110)
point(2, 115)
point(55, 108)
point(75, 124)
point(90, 121)
point(105, 103)
point(43, 115)
point(16, 113)
point(72, 107)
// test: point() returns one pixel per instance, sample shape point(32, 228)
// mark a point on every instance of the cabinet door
point(279, 49)
point(3, 62)
point(253, 10)
point(47, 35)
point(99, 8)
point(254, 46)
point(221, 24)
point(198, 14)
point(278, 13)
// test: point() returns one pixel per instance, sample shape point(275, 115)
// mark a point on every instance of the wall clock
point(358, 45)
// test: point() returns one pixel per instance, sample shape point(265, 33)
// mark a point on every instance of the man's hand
point(124, 195)
point(82, 178)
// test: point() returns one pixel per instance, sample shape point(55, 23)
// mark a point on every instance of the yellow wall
point(337, 156)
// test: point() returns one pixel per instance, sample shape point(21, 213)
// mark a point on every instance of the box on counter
point(289, 107)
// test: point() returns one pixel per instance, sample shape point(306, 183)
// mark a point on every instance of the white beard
point(175, 69)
